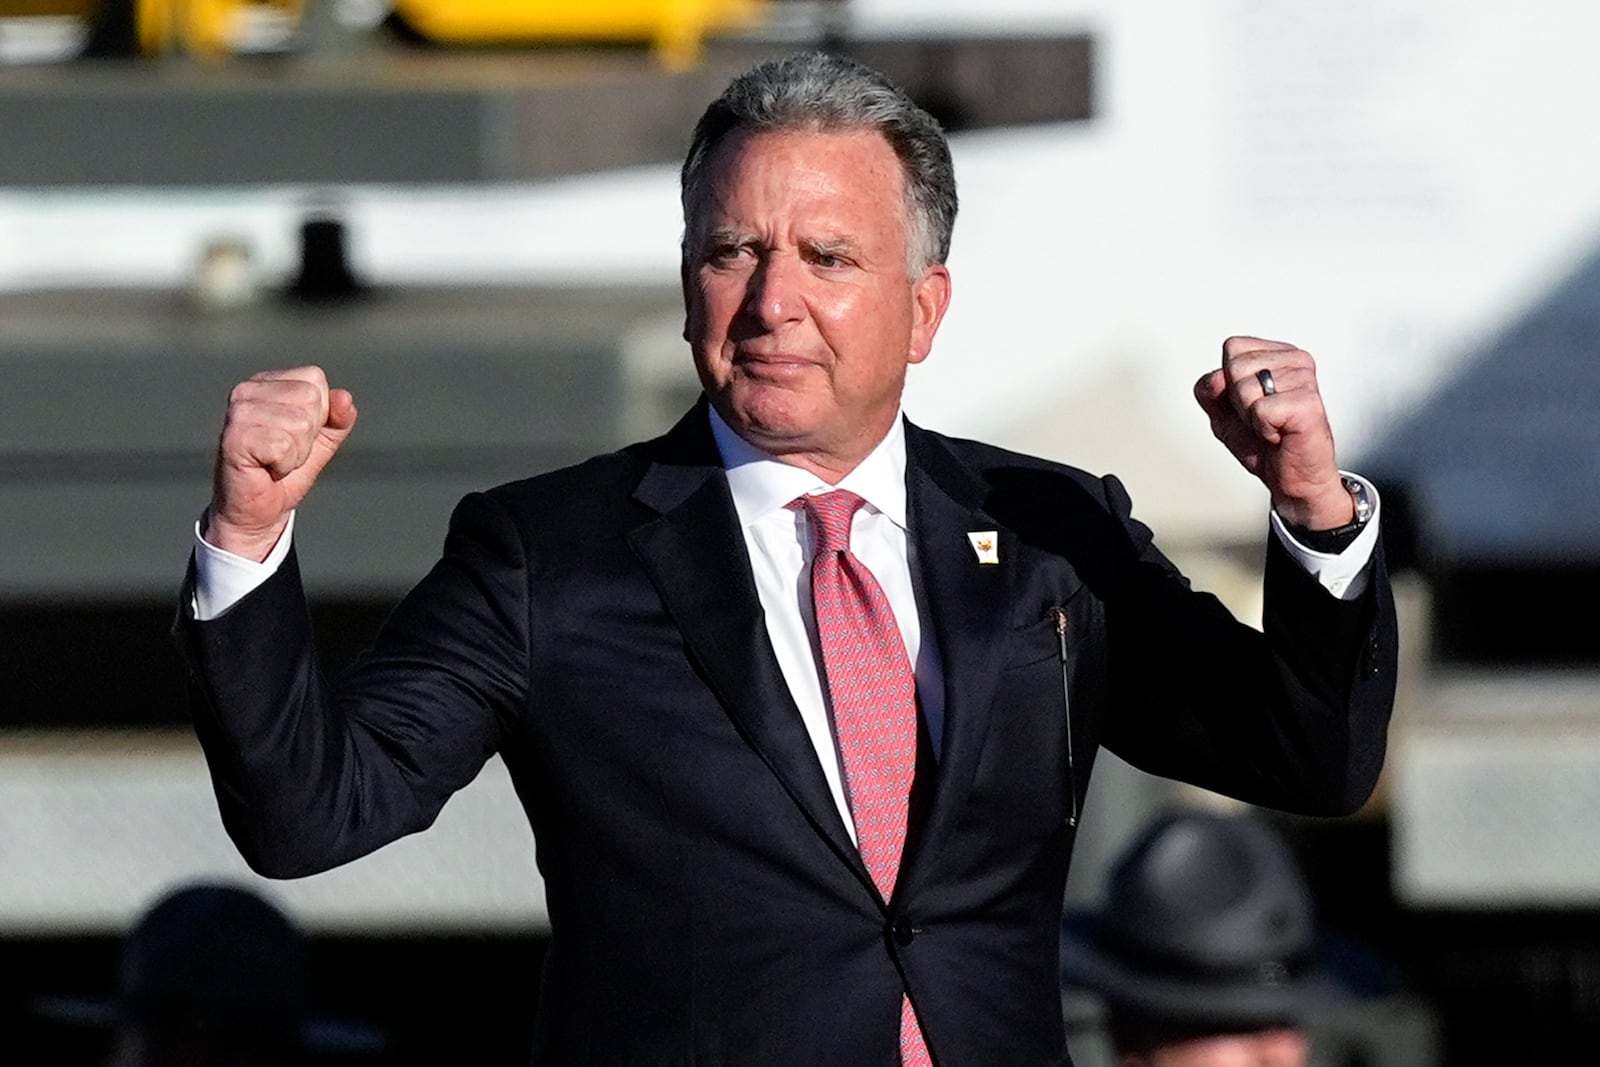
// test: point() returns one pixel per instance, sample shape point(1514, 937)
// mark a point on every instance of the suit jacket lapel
point(696, 556)
point(966, 602)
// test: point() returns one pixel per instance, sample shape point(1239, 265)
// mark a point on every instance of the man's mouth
point(772, 364)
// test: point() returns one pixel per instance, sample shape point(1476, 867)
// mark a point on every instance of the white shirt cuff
point(1343, 574)
point(222, 579)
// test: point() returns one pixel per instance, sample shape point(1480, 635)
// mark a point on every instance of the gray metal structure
point(424, 116)
point(113, 400)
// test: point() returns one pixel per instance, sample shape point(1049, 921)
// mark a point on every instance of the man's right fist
point(281, 429)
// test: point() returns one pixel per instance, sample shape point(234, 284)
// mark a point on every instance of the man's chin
point(771, 417)
point(777, 440)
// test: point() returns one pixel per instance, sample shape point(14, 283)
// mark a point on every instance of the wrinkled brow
point(828, 244)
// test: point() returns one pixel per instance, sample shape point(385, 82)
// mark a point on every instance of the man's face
point(799, 305)
point(1266, 1048)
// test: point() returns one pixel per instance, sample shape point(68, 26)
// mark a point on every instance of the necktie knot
point(831, 515)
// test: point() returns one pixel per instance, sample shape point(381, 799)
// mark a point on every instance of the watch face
point(1358, 496)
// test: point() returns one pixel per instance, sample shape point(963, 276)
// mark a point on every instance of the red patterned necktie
point(873, 693)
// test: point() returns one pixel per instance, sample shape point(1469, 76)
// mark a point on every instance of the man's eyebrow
point(725, 235)
point(832, 245)
point(827, 244)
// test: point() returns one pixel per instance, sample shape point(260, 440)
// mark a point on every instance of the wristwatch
point(1360, 498)
point(1339, 538)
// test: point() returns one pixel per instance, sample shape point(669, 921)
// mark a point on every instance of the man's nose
point(774, 294)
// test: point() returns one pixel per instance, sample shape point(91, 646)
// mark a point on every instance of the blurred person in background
point(215, 975)
point(801, 699)
point(1206, 952)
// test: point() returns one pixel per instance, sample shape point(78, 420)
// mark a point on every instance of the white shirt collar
point(762, 483)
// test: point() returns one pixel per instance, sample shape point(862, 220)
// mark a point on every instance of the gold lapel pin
point(986, 543)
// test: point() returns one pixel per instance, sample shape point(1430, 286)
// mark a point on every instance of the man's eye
point(725, 255)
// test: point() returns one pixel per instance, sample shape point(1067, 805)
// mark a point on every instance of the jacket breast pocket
point(1035, 640)
point(1027, 776)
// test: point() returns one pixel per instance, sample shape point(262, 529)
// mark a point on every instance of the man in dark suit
point(636, 637)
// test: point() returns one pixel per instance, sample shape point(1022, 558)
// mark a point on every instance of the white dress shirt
point(780, 545)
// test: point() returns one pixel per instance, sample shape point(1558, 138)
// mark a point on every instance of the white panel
point(92, 828)
point(1496, 798)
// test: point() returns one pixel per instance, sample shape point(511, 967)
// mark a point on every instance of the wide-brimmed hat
point(221, 959)
point(1207, 922)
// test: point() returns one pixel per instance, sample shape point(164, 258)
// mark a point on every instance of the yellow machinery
point(210, 27)
point(676, 28)
point(189, 27)
point(214, 28)
point(34, 8)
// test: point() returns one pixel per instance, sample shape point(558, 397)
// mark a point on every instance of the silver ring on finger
point(1268, 385)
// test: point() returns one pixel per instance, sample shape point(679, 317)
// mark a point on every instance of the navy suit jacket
point(599, 628)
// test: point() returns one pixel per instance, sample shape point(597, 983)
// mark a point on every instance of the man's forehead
point(853, 167)
point(811, 143)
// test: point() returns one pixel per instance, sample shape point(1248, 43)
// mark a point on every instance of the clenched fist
point(1265, 406)
point(281, 429)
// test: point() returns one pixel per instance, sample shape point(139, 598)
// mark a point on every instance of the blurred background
point(466, 211)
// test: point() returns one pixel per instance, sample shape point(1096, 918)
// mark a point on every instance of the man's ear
point(930, 296)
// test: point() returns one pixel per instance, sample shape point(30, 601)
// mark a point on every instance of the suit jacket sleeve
point(1294, 716)
point(311, 773)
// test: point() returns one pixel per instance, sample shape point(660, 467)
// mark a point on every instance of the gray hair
point(819, 91)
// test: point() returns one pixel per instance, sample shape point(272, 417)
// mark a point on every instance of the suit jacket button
point(904, 932)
